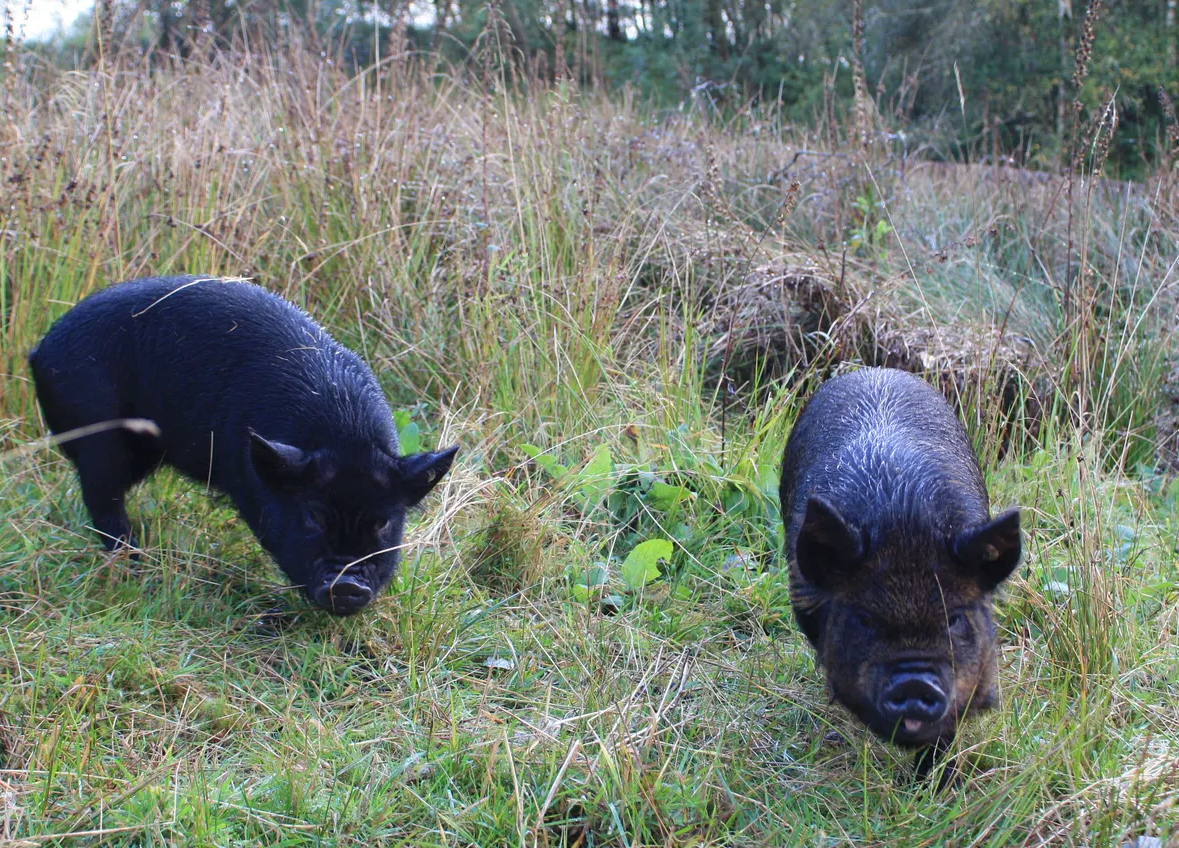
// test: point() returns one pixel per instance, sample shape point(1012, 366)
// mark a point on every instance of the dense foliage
point(969, 79)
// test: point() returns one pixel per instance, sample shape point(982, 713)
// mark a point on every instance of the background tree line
point(962, 78)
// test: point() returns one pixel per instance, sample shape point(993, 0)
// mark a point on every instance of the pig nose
point(913, 697)
point(343, 595)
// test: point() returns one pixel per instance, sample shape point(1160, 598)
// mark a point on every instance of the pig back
point(888, 451)
point(209, 359)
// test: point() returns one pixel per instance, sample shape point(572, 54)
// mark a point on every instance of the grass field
point(617, 314)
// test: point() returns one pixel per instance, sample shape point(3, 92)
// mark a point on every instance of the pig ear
point(422, 471)
point(829, 549)
point(990, 550)
point(277, 465)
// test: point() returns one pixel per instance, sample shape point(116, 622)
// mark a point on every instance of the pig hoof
point(115, 530)
point(927, 760)
point(124, 548)
point(274, 621)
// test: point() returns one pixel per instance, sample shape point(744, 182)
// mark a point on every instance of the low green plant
point(870, 228)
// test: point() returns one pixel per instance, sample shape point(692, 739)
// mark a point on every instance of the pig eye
point(957, 620)
point(862, 619)
point(313, 521)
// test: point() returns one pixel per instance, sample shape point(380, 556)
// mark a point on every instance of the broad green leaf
point(768, 477)
point(640, 566)
point(667, 497)
point(593, 482)
point(550, 465)
point(590, 581)
point(410, 438)
point(613, 602)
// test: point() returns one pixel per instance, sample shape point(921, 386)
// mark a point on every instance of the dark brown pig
point(894, 556)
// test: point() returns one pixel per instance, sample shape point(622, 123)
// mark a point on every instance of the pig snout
point(344, 594)
point(913, 699)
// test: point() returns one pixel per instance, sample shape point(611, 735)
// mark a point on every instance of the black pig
point(894, 555)
point(252, 398)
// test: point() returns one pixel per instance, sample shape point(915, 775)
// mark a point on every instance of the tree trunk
point(519, 31)
point(716, 25)
point(441, 8)
point(613, 25)
point(1169, 35)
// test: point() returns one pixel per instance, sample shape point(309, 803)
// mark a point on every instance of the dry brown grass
point(431, 203)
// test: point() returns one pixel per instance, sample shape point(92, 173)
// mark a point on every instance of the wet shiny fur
point(893, 554)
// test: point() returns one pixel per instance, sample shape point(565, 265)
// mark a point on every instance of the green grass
point(553, 282)
point(191, 699)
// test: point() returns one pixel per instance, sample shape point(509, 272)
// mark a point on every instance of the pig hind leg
point(108, 465)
